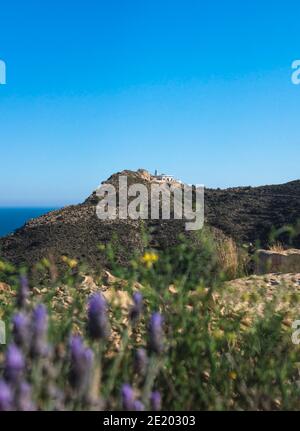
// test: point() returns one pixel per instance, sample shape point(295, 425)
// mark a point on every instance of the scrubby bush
point(176, 346)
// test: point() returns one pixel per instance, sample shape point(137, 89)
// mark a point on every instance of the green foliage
point(211, 361)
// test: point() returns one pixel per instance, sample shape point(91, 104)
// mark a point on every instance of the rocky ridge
point(245, 214)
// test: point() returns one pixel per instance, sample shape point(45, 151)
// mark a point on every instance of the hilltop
point(246, 214)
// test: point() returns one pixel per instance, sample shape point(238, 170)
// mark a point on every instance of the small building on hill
point(165, 178)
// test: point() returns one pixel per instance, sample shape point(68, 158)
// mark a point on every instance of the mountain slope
point(246, 214)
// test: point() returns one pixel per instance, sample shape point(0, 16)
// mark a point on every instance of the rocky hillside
point(245, 214)
point(249, 214)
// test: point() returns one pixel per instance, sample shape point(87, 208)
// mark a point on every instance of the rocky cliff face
point(245, 214)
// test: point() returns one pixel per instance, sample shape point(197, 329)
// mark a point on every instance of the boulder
point(285, 261)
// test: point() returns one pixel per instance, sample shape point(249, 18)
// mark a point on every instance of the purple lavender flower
point(155, 401)
point(20, 329)
point(23, 398)
point(81, 366)
point(57, 396)
point(156, 333)
point(138, 406)
point(23, 292)
point(6, 397)
point(127, 397)
point(137, 307)
point(98, 324)
point(39, 331)
point(140, 361)
point(14, 364)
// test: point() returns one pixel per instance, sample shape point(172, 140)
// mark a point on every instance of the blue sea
point(13, 218)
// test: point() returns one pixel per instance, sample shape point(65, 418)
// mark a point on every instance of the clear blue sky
point(198, 89)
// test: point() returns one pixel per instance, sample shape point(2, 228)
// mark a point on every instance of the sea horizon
point(14, 217)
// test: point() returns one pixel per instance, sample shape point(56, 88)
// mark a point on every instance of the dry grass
point(228, 257)
point(277, 248)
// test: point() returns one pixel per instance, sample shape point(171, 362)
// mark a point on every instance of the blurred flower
point(232, 375)
point(72, 263)
point(127, 397)
point(20, 329)
point(23, 292)
point(140, 361)
point(14, 364)
point(138, 406)
point(81, 365)
point(156, 333)
point(23, 398)
point(45, 262)
point(155, 401)
point(137, 307)
point(39, 331)
point(149, 259)
point(57, 397)
point(218, 334)
point(6, 397)
point(98, 324)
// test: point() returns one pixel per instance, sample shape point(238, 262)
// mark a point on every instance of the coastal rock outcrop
point(244, 214)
